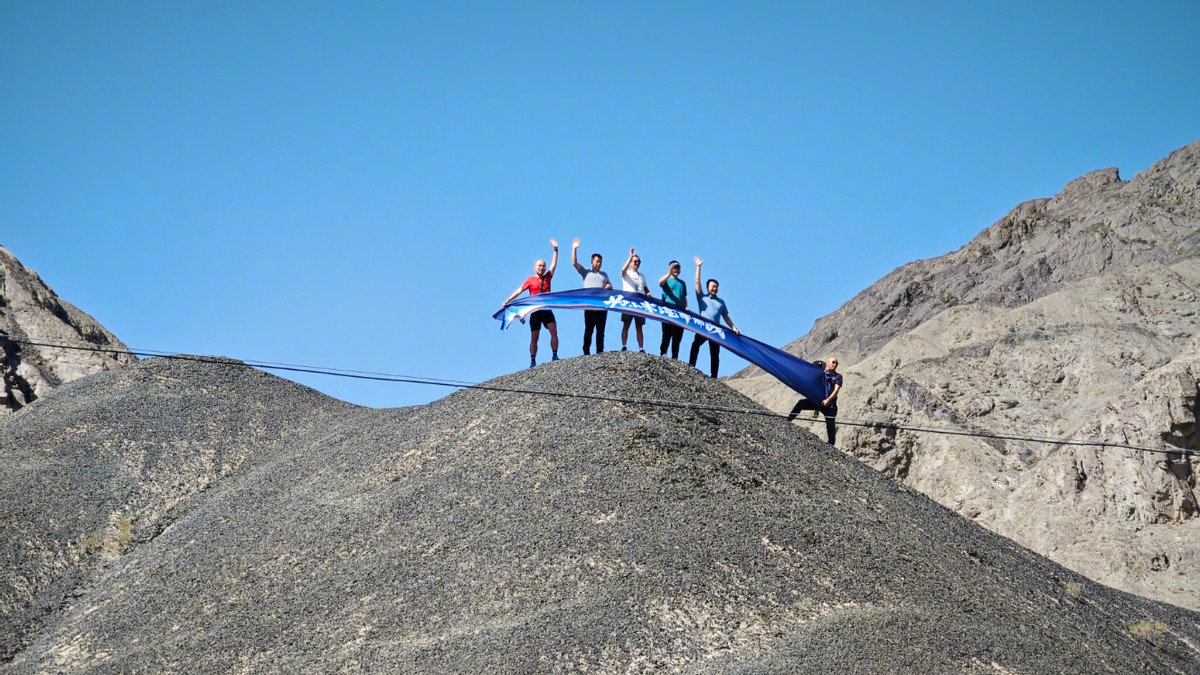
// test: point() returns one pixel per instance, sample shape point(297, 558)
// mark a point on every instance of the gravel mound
point(188, 517)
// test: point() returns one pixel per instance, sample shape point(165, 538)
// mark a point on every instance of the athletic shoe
point(624, 349)
point(532, 362)
point(555, 358)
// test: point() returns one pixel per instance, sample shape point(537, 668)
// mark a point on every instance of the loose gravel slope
point(187, 517)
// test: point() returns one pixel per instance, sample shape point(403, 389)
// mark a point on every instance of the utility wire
point(463, 384)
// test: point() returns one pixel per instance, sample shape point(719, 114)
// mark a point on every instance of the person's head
point(674, 268)
point(540, 267)
point(819, 364)
point(832, 365)
point(713, 286)
point(636, 263)
point(597, 259)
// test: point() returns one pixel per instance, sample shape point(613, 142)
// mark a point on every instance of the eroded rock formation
point(29, 309)
point(1071, 317)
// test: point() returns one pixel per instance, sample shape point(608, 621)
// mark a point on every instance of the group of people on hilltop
point(674, 294)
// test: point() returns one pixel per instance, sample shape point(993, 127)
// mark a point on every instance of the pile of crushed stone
point(181, 516)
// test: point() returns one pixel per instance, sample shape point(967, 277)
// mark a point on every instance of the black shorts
point(542, 317)
point(626, 318)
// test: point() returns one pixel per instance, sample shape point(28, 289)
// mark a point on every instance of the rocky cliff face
point(1071, 317)
point(29, 309)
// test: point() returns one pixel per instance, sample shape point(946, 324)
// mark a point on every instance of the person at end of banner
point(712, 308)
point(827, 407)
point(674, 294)
point(633, 281)
point(540, 283)
point(593, 319)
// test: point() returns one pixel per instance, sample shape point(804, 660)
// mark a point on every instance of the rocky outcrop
point(1071, 317)
point(30, 310)
point(210, 518)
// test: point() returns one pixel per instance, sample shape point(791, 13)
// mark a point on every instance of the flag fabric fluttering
point(805, 378)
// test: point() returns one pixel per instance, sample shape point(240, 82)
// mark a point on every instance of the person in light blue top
point(713, 308)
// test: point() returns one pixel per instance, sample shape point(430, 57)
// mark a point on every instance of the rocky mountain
point(30, 310)
point(1071, 317)
point(207, 517)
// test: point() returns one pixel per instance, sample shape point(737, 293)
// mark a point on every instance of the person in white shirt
point(633, 281)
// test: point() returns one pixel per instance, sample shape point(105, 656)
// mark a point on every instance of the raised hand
point(699, 262)
point(554, 243)
point(575, 244)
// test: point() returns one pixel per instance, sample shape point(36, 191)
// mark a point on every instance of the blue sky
point(360, 185)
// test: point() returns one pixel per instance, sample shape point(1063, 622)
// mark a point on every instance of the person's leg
point(589, 323)
point(533, 339)
point(638, 323)
point(625, 319)
point(676, 340)
point(802, 404)
point(666, 339)
point(601, 320)
point(696, 342)
point(714, 356)
point(831, 429)
point(553, 340)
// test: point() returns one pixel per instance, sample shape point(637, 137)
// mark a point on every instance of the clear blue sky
point(360, 185)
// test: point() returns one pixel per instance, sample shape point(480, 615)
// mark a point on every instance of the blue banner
point(803, 377)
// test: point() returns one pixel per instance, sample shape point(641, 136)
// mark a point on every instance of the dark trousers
point(829, 413)
point(672, 335)
point(714, 353)
point(594, 318)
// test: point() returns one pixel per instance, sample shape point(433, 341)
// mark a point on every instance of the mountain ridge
point(1056, 321)
point(31, 310)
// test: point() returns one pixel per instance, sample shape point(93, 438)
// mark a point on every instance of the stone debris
point(176, 516)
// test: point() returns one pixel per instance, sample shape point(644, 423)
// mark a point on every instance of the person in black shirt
point(827, 407)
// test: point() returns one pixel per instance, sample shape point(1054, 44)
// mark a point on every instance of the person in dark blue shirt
point(827, 407)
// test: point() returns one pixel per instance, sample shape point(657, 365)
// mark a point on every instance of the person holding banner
point(540, 283)
point(827, 407)
point(712, 308)
point(633, 281)
point(674, 294)
point(592, 318)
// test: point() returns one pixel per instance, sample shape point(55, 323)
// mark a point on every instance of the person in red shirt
point(540, 283)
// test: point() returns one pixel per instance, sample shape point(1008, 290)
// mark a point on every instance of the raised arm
point(625, 267)
point(699, 262)
point(553, 259)
point(575, 257)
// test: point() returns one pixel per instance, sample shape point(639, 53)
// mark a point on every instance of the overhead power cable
point(464, 384)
